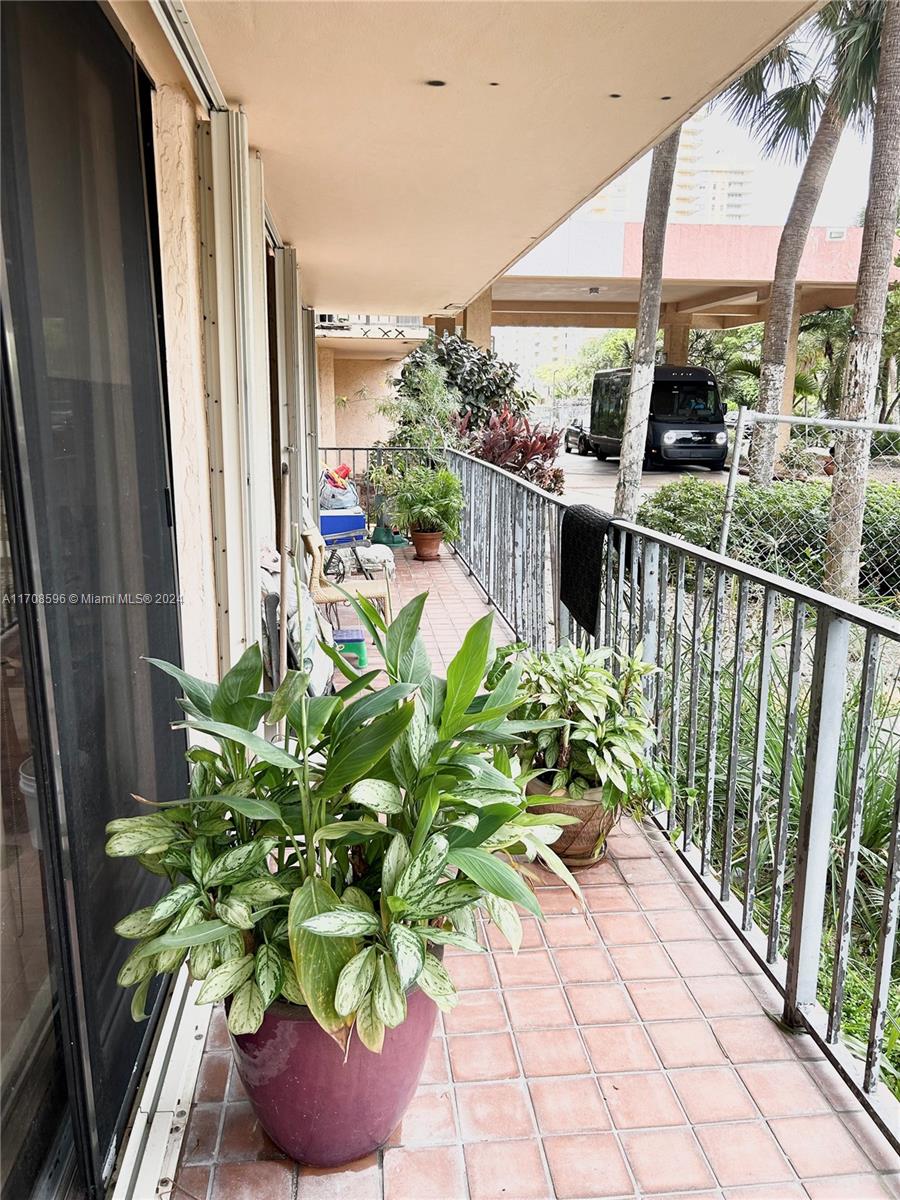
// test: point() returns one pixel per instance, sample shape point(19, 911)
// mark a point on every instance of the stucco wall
point(325, 384)
point(360, 385)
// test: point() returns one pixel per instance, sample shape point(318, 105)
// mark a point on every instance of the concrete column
point(325, 380)
point(676, 343)
point(477, 320)
point(444, 325)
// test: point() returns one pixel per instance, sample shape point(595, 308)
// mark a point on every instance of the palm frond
point(745, 100)
point(855, 56)
point(739, 365)
point(790, 119)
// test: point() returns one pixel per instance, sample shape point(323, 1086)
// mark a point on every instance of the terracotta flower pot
point(583, 844)
point(318, 1108)
point(428, 545)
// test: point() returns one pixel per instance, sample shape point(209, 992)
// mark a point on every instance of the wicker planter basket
point(584, 844)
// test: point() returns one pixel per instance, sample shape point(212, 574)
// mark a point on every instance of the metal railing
point(777, 716)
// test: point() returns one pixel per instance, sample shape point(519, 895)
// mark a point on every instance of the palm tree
point(798, 101)
point(848, 494)
point(634, 434)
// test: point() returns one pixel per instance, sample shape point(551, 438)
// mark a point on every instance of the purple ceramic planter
point(318, 1108)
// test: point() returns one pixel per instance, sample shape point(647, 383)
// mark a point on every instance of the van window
point(685, 400)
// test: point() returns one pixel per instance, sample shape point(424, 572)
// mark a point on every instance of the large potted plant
point(429, 502)
point(315, 880)
point(592, 758)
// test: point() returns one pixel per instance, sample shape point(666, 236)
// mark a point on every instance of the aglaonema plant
point(328, 868)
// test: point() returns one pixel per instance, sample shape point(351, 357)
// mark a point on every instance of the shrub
point(510, 441)
point(781, 528)
point(480, 382)
point(423, 407)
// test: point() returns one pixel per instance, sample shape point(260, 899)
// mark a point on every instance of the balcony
point(684, 1037)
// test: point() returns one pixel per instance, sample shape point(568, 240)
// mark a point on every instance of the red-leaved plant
point(510, 441)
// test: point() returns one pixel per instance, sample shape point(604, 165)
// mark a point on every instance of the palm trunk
point(787, 265)
point(848, 492)
point(634, 434)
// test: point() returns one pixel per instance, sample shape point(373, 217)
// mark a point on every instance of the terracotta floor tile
point(700, 958)
point(599, 1003)
point(587, 1165)
point(251, 1180)
point(624, 929)
point(605, 871)
point(584, 964)
point(652, 896)
point(872, 1142)
point(568, 1105)
point(570, 931)
point(212, 1080)
point(662, 999)
point(243, 1138)
point(556, 1053)
point(677, 926)
point(360, 1180)
point(217, 1037)
point(832, 1087)
point(685, 1044)
point(429, 1120)
point(505, 1171)
point(743, 1153)
point(783, 1089)
point(609, 898)
point(482, 1056)
point(847, 1187)
point(697, 896)
point(557, 900)
point(477, 1012)
point(620, 1048)
point(666, 1160)
point(643, 870)
point(494, 1111)
point(192, 1183)
point(202, 1136)
point(629, 846)
point(724, 996)
point(529, 968)
point(819, 1145)
point(435, 1173)
point(532, 938)
point(436, 1069)
point(470, 971)
point(642, 1101)
point(641, 962)
point(751, 1039)
point(711, 1094)
point(538, 1008)
point(236, 1089)
point(767, 1191)
point(742, 959)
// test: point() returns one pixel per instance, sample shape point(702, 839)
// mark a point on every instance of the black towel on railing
point(584, 532)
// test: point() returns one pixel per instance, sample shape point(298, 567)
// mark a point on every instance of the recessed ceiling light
point(435, 83)
point(615, 95)
point(593, 291)
point(665, 97)
point(493, 84)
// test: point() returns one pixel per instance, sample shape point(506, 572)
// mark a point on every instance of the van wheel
point(719, 466)
point(601, 454)
point(584, 447)
point(568, 448)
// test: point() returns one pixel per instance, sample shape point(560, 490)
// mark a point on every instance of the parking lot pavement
point(593, 482)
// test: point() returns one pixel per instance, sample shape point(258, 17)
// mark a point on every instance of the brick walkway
point(632, 1053)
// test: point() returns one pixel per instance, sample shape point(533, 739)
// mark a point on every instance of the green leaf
point(241, 681)
point(357, 754)
point(423, 872)
point(506, 917)
point(291, 689)
point(401, 634)
point(355, 897)
point(318, 712)
point(139, 999)
point(441, 900)
point(237, 862)
point(367, 707)
point(290, 986)
point(198, 691)
point(268, 970)
point(354, 981)
point(389, 997)
point(318, 961)
point(137, 966)
point(342, 921)
point(203, 959)
point(266, 751)
point(377, 794)
point(436, 983)
point(173, 902)
point(247, 1009)
point(194, 935)
point(395, 860)
point(355, 830)
point(252, 807)
point(140, 924)
point(357, 684)
point(142, 839)
point(408, 951)
point(465, 673)
point(495, 876)
point(369, 1026)
point(225, 979)
point(260, 891)
point(235, 912)
point(415, 665)
point(449, 937)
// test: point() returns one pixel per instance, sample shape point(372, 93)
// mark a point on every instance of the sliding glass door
point(89, 459)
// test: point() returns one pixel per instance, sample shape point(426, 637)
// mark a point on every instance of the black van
point(687, 418)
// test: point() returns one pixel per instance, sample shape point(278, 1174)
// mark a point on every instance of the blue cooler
point(342, 526)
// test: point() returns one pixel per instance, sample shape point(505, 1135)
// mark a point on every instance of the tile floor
point(631, 1052)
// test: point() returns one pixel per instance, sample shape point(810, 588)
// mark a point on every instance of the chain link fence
point(781, 526)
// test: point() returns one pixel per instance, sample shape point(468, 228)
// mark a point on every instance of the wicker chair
point(322, 592)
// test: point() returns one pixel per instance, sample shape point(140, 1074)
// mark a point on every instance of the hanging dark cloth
point(584, 531)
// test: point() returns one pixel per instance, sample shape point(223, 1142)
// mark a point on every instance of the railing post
point(650, 603)
point(826, 702)
point(732, 478)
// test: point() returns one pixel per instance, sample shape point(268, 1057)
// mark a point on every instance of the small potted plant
point(592, 757)
point(429, 502)
point(312, 883)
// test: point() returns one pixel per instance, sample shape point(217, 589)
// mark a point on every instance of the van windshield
point(685, 400)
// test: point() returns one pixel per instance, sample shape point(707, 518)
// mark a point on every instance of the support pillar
point(477, 320)
point(444, 325)
point(676, 344)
